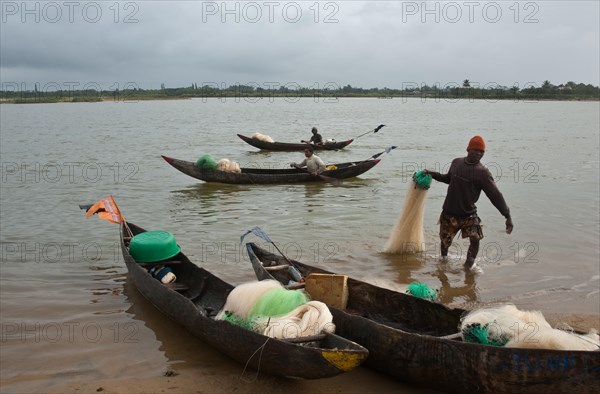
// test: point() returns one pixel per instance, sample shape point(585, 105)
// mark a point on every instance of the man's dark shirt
point(316, 138)
point(466, 183)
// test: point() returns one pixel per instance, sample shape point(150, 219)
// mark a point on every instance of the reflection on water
point(210, 195)
point(181, 349)
point(454, 284)
point(405, 266)
point(458, 285)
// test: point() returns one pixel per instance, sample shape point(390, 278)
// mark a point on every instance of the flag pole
point(122, 217)
point(127, 226)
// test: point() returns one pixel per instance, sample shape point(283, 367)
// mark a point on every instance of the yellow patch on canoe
point(343, 361)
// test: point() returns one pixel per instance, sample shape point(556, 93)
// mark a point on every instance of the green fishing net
point(238, 321)
point(207, 162)
point(476, 333)
point(422, 290)
point(278, 301)
point(422, 180)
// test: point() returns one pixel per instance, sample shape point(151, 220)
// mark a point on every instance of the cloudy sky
point(267, 43)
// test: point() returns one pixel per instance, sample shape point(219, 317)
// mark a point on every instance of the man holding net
point(466, 178)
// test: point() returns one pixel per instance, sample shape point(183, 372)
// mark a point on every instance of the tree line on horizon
point(547, 91)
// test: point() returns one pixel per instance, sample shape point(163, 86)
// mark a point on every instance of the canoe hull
point(195, 307)
point(291, 147)
point(270, 176)
point(403, 336)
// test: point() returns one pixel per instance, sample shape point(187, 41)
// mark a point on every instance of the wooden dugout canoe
point(290, 146)
point(405, 339)
point(271, 176)
point(196, 297)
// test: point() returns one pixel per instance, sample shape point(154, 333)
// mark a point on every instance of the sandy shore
point(192, 376)
point(194, 380)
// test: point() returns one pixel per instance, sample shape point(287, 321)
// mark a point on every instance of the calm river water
point(67, 307)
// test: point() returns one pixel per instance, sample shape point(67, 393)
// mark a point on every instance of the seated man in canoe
point(316, 138)
point(312, 162)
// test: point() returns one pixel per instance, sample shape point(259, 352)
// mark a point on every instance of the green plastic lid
point(153, 246)
point(422, 180)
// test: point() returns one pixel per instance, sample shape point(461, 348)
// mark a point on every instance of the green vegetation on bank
point(547, 91)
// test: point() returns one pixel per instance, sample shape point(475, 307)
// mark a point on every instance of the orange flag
point(107, 209)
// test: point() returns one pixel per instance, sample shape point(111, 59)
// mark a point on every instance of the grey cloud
point(369, 44)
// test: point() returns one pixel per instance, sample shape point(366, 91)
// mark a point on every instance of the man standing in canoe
point(312, 162)
point(467, 177)
point(316, 138)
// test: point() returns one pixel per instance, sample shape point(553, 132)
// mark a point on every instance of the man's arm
point(321, 165)
point(497, 199)
point(298, 165)
point(445, 178)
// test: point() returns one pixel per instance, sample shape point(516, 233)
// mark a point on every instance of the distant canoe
point(292, 147)
point(271, 176)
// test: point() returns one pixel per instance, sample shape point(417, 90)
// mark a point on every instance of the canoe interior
point(387, 307)
point(271, 176)
point(197, 296)
point(331, 173)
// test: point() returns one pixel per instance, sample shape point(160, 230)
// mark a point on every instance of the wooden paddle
point(333, 181)
point(371, 131)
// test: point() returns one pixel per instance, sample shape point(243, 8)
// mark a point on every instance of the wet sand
point(193, 376)
point(194, 380)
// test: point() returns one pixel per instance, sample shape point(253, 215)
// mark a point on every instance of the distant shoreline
point(60, 100)
point(569, 91)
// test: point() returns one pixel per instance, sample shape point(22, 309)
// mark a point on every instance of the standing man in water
point(467, 177)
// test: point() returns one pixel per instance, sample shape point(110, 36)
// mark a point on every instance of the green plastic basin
point(153, 246)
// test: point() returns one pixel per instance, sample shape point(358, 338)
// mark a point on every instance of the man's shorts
point(470, 227)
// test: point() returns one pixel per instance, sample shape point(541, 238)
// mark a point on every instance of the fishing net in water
point(422, 290)
point(407, 235)
point(278, 301)
point(207, 162)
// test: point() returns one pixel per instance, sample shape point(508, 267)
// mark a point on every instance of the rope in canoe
point(261, 348)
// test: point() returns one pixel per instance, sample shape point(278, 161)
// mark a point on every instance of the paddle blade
point(387, 150)
point(258, 232)
point(378, 128)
